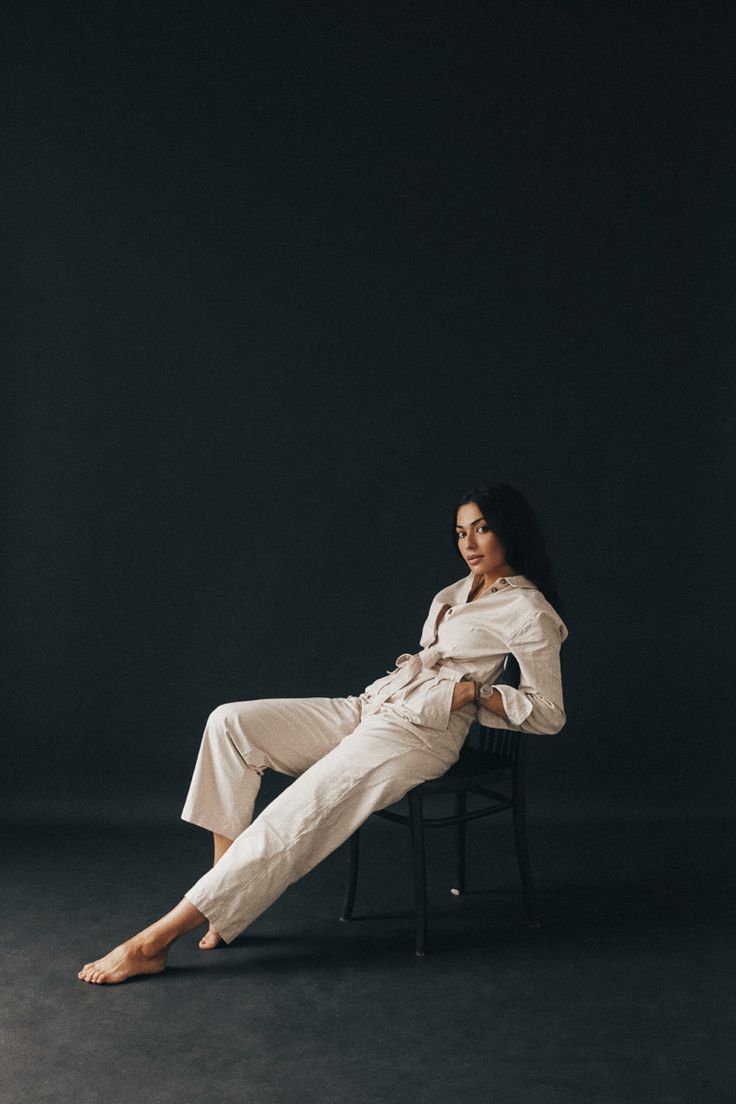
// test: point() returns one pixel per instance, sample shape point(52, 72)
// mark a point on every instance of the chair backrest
point(506, 743)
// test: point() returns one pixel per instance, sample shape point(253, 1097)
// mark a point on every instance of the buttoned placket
point(446, 610)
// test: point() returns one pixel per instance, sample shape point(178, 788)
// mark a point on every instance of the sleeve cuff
point(516, 705)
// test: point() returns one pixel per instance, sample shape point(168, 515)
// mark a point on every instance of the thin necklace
point(482, 590)
point(472, 597)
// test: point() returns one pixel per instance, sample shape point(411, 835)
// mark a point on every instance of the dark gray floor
point(626, 993)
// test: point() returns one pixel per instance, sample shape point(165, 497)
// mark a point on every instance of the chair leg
point(420, 874)
point(347, 907)
point(522, 857)
point(460, 809)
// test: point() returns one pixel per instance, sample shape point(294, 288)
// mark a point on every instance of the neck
point(481, 584)
point(498, 573)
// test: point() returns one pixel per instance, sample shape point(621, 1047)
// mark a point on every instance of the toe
point(209, 940)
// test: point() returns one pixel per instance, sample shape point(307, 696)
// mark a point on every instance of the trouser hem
point(209, 910)
point(222, 829)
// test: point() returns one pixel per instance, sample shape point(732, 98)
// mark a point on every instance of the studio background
point(284, 281)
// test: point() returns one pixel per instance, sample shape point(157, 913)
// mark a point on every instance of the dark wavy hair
point(514, 522)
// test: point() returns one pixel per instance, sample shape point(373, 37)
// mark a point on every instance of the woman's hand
point(462, 693)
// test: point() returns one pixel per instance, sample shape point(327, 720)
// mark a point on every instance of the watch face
point(486, 691)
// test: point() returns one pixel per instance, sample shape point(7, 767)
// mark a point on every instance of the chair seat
point(473, 764)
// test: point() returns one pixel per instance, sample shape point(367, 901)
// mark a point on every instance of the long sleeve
point(537, 706)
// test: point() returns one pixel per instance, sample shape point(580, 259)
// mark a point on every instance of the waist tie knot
point(428, 657)
point(408, 667)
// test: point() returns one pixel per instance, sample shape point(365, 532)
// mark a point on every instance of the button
point(493, 590)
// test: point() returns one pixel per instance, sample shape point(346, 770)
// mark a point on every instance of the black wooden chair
point(498, 758)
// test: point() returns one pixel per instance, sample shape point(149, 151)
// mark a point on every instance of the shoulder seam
point(536, 613)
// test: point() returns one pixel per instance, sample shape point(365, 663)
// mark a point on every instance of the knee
point(228, 717)
point(233, 721)
point(220, 717)
point(230, 728)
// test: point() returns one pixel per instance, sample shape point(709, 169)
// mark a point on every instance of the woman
point(351, 756)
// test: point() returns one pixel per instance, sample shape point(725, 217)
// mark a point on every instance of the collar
point(519, 581)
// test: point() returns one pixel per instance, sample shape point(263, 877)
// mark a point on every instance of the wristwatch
point(483, 692)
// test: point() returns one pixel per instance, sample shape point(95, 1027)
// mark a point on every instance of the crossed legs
point(357, 766)
point(240, 740)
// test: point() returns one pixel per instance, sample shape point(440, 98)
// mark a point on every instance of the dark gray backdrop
point(283, 281)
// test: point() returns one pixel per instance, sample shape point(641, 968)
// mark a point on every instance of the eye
point(478, 529)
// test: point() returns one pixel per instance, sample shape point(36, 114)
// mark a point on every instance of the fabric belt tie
point(409, 666)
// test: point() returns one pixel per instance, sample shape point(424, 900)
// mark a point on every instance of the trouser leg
point(369, 769)
point(242, 738)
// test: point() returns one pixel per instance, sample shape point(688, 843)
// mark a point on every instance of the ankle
point(154, 943)
point(154, 948)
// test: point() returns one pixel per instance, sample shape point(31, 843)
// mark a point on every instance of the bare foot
point(210, 939)
point(135, 956)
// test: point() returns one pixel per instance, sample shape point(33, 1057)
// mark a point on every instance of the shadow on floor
point(624, 994)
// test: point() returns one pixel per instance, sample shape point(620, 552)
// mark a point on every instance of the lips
point(474, 559)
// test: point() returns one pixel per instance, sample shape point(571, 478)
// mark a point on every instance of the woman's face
point(479, 545)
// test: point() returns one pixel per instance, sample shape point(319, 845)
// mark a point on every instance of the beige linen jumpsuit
point(351, 756)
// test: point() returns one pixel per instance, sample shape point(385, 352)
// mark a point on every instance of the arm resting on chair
point(537, 705)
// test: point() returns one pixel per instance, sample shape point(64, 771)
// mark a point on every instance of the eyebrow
point(481, 518)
